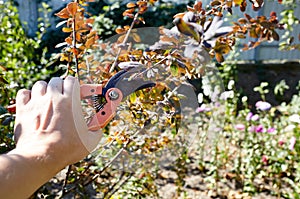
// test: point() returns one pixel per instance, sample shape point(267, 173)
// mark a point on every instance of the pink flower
point(271, 130)
point(259, 129)
point(240, 127)
point(263, 106)
point(255, 117)
point(264, 159)
point(292, 143)
point(280, 142)
point(203, 108)
point(251, 128)
point(249, 116)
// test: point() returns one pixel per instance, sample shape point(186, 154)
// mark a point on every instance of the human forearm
point(22, 173)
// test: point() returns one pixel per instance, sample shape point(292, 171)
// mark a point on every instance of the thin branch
point(74, 46)
point(64, 191)
point(124, 42)
point(125, 181)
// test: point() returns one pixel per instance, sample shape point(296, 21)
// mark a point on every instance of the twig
point(123, 43)
point(74, 46)
point(125, 181)
point(66, 181)
point(114, 185)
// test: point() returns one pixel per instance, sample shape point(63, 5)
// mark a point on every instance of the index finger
point(69, 85)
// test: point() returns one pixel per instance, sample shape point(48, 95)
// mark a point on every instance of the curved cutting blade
point(128, 81)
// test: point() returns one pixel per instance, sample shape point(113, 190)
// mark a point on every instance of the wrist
point(40, 157)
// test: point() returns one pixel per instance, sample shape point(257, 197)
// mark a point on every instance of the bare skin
point(50, 133)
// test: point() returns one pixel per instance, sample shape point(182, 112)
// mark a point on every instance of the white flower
point(295, 118)
point(263, 106)
point(230, 84)
point(227, 95)
point(289, 128)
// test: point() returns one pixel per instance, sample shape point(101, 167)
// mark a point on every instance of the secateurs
point(106, 99)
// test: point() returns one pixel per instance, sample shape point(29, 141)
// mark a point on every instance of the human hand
point(50, 124)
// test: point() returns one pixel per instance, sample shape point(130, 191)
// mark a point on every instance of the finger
point(55, 86)
point(23, 97)
point(38, 89)
point(69, 84)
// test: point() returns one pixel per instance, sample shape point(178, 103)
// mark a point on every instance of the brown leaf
point(242, 21)
point(131, 5)
point(72, 8)
point(89, 42)
point(275, 35)
point(243, 6)
point(63, 14)
point(198, 6)
point(256, 44)
point(252, 33)
point(68, 40)
point(136, 37)
point(248, 16)
point(128, 13)
point(219, 57)
point(120, 30)
point(141, 19)
point(215, 3)
point(142, 4)
point(142, 10)
point(3, 68)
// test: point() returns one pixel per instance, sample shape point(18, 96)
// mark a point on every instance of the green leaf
point(174, 70)
point(133, 98)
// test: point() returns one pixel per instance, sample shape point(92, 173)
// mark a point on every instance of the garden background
point(246, 142)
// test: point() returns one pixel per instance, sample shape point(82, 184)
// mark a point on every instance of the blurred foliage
point(21, 64)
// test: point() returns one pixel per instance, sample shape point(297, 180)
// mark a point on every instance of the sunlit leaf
point(64, 14)
point(64, 57)
point(131, 5)
point(252, 33)
point(136, 37)
point(174, 70)
point(133, 98)
point(186, 28)
point(242, 21)
point(120, 30)
point(215, 3)
point(90, 42)
point(67, 30)
point(238, 2)
point(72, 8)
point(219, 57)
point(198, 6)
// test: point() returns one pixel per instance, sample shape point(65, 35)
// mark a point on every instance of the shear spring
point(98, 102)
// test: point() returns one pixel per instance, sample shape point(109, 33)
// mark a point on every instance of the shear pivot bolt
point(113, 95)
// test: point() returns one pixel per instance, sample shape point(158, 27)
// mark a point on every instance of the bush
point(21, 64)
